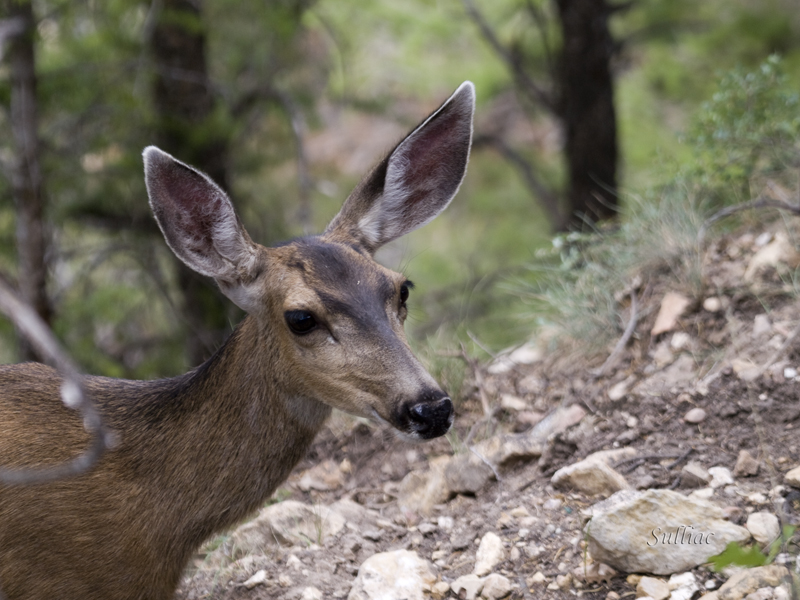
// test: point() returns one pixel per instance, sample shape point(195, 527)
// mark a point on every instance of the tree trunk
point(185, 107)
point(586, 107)
point(26, 177)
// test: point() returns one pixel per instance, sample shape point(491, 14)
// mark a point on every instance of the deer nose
point(431, 415)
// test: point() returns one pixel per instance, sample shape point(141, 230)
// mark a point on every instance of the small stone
point(764, 527)
point(445, 523)
point(563, 581)
point(512, 403)
point(618, 391)
point(490, 553)
point(746, 465)
point(765, 593)
point(712, 304)
point(761, 326)
point(440, 589)
point(257, 579)
point(710, 584)
point(633, 579)
point(514, 555)
point(399, 573)
point(653, 587)
point(496, 586)
point(427, 528)
point(792, 478)
point(520, 512)
point(612, 596)
point(683, 586)
point(311, 593)
point(673, 305)
point(471, 585)
point(748, 581)
point(680, 340)
point(694, 475)
point(285, 581)
point(789, 373)
point(694, 416)
point(536, 579)
point(720, 477)
point(552, 504)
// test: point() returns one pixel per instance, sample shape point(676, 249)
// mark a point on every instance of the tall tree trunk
point(586, 107)
point(185, 107)
point(27, 176)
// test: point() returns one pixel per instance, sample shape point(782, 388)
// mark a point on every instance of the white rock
point(761, 325)
point(780, 253)
point(764, 527)
point(712, 304)
point(470, 584)
point(490, 553)
point(647, 532)
point(652, 587)
point(720, 477)
point(673, 305)
point(420, 491)
point(792, 478)
point(683, 586)
point(445, 523)
point(618, 391)
point(680, 340)
point(496, 586)
point(257, 579)
point(591, 477)
point(287, 523)
point(311, 593)
point(695, 415)
point(391, 575)
point(512, 403)
point(789, 373)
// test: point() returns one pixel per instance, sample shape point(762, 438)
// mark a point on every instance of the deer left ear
point(415, 182)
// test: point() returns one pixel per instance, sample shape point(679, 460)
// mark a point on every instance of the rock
point(512, 403)
point(287, 523)
point(792, 478)
point(765, 593)
point(420, 491)
point(527, 354)
point(440, 589)
point(683, 586)
point(536, 579)
point(257, 579)
point(748, 581)
point(720, 477)
point(673, 305)
point(761, 326)
point(563, 582)
point(712, 304)
point(778, 254)
point(397, 574)
point(490, 553)
point(618, 391)
point(746, 465)
point(311, 593)
point(647, 532)
point(323, 477)
point(655, 588)
point(745, 369)
point(694, 416)
point(694, 475)
point(594, 572)
point(466, 473)
point(355, 513)
point(764, 527)
point(471, 585)
point(496, 586)
point(680, 341)
point(592, 477)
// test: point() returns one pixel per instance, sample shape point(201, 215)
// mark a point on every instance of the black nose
point(431, 415)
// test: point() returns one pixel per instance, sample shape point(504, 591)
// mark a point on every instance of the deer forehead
point(334, 278)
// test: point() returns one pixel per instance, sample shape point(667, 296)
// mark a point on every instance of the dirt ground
point(736, 363)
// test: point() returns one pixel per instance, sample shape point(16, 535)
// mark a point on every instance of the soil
point(663, 379)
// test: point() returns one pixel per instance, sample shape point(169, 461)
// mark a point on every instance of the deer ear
point(415, 182)
point(200, 225)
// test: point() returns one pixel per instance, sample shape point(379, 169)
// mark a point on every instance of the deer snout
point(430, 415)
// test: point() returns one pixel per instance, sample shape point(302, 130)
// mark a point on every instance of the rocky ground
point(616, 477)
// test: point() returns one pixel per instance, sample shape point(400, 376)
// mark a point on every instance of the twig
point(760, 202)
point(779, 352)
point(679, 460)
point(623, 341)
point(73, 394)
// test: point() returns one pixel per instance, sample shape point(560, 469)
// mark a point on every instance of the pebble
point(470, 585)
point(793, 477)
point(655, 588)
point(311, 593)
point(694, 416)
point(720, 477)
point(496, 586)
point(445, 523)
point(536, 578)
point(746, 465)
point(490, 553)
point(257, 579)
point(764, 527)
point(789, 373)
point(552, 504)
point(712, 304)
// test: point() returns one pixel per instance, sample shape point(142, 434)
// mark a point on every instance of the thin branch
point(761, 201)
point(73, 394)
point(528, 85)
point(547, 198)
point(623, 341)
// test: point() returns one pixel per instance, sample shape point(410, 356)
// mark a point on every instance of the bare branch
point(73, 394)
point(527, 84)
point(623, 341)
point(546, 196)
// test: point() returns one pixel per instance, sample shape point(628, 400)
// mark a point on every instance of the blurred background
point(596, 119)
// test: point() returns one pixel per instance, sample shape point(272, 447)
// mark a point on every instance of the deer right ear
point(415, 182)
point(200, 225)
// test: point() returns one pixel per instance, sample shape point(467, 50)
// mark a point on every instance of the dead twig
point(640, 460)
point(623, 341)
point(73, 394)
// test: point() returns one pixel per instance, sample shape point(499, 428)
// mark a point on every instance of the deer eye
point(404, 291)
point(300, 321)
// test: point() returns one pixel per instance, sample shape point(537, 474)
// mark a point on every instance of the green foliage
point(741, 556)
point(750, 127)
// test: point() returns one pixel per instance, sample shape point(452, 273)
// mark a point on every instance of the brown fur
point(199, 452)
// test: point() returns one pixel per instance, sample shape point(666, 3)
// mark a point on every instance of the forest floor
point(732, 351)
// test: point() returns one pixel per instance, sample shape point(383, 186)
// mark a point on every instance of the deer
point(196, 454)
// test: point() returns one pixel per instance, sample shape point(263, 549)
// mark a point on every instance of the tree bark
point(185, 106)
point(26, 179)
point(586, 107)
